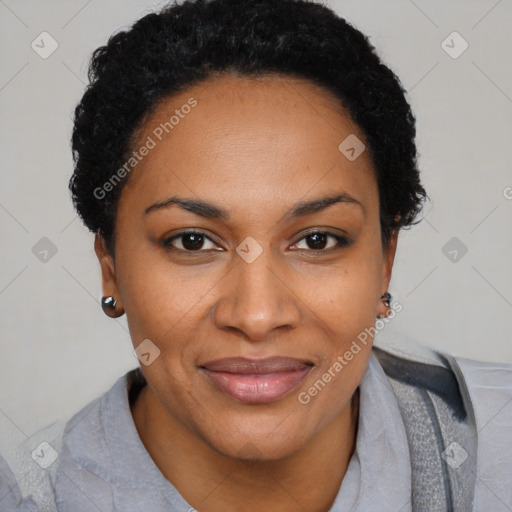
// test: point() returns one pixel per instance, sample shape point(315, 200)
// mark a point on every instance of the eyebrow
point(210, 211)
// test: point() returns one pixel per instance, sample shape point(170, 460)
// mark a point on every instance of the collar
point(103, 440)
point(378, 476)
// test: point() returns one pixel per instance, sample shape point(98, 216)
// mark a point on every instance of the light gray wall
point(58, 350)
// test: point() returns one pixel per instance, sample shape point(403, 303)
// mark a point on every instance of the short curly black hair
point(165, 52)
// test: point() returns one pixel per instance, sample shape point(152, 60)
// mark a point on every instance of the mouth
point(256, 381)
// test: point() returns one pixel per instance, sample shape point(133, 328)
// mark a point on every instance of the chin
point(258, 445)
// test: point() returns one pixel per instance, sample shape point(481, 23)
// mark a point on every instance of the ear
point(387, 267)
point(108, 271)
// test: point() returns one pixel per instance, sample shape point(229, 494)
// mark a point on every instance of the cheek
point(158, 296)
point(331, 388)
point(344, 296)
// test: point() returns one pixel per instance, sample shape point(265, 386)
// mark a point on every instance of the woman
point(246, 167)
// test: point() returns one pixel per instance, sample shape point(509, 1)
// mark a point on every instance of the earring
point(386, 298)
point(108, 304)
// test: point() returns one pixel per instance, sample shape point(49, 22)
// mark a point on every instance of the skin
point(255, 148)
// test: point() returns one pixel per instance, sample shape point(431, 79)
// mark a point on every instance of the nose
point(257, 301)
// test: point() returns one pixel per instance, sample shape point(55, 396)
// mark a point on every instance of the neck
point(309, 479)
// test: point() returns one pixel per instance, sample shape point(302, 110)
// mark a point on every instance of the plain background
point(58, 350)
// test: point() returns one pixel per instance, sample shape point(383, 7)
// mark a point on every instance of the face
point(248, 251)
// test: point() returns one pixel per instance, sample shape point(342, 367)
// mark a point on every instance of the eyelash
point(341, 241)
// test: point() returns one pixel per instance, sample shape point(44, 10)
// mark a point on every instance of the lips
point(253, 381)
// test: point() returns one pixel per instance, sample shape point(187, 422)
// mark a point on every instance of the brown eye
point(320, 241)
point(189, 241)
point(192, 241)
point(317, 241)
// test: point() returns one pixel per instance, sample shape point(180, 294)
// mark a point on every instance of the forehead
point(251, 138)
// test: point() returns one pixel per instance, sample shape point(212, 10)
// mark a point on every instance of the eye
point(321, 241)
point(190, 241)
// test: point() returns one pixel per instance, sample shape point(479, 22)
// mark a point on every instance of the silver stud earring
point(109, 304)
point(386, 298)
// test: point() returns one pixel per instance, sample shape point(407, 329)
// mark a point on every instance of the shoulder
point(99, 447)
point(27, 476)
point(52, 464)
point(486, 385)
point(484, 389)
point(85, 442)
point(487, 378)
point(489, 386)
point(11, 499)
point(478, 392)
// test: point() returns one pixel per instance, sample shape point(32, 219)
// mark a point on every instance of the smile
point(256, 381)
